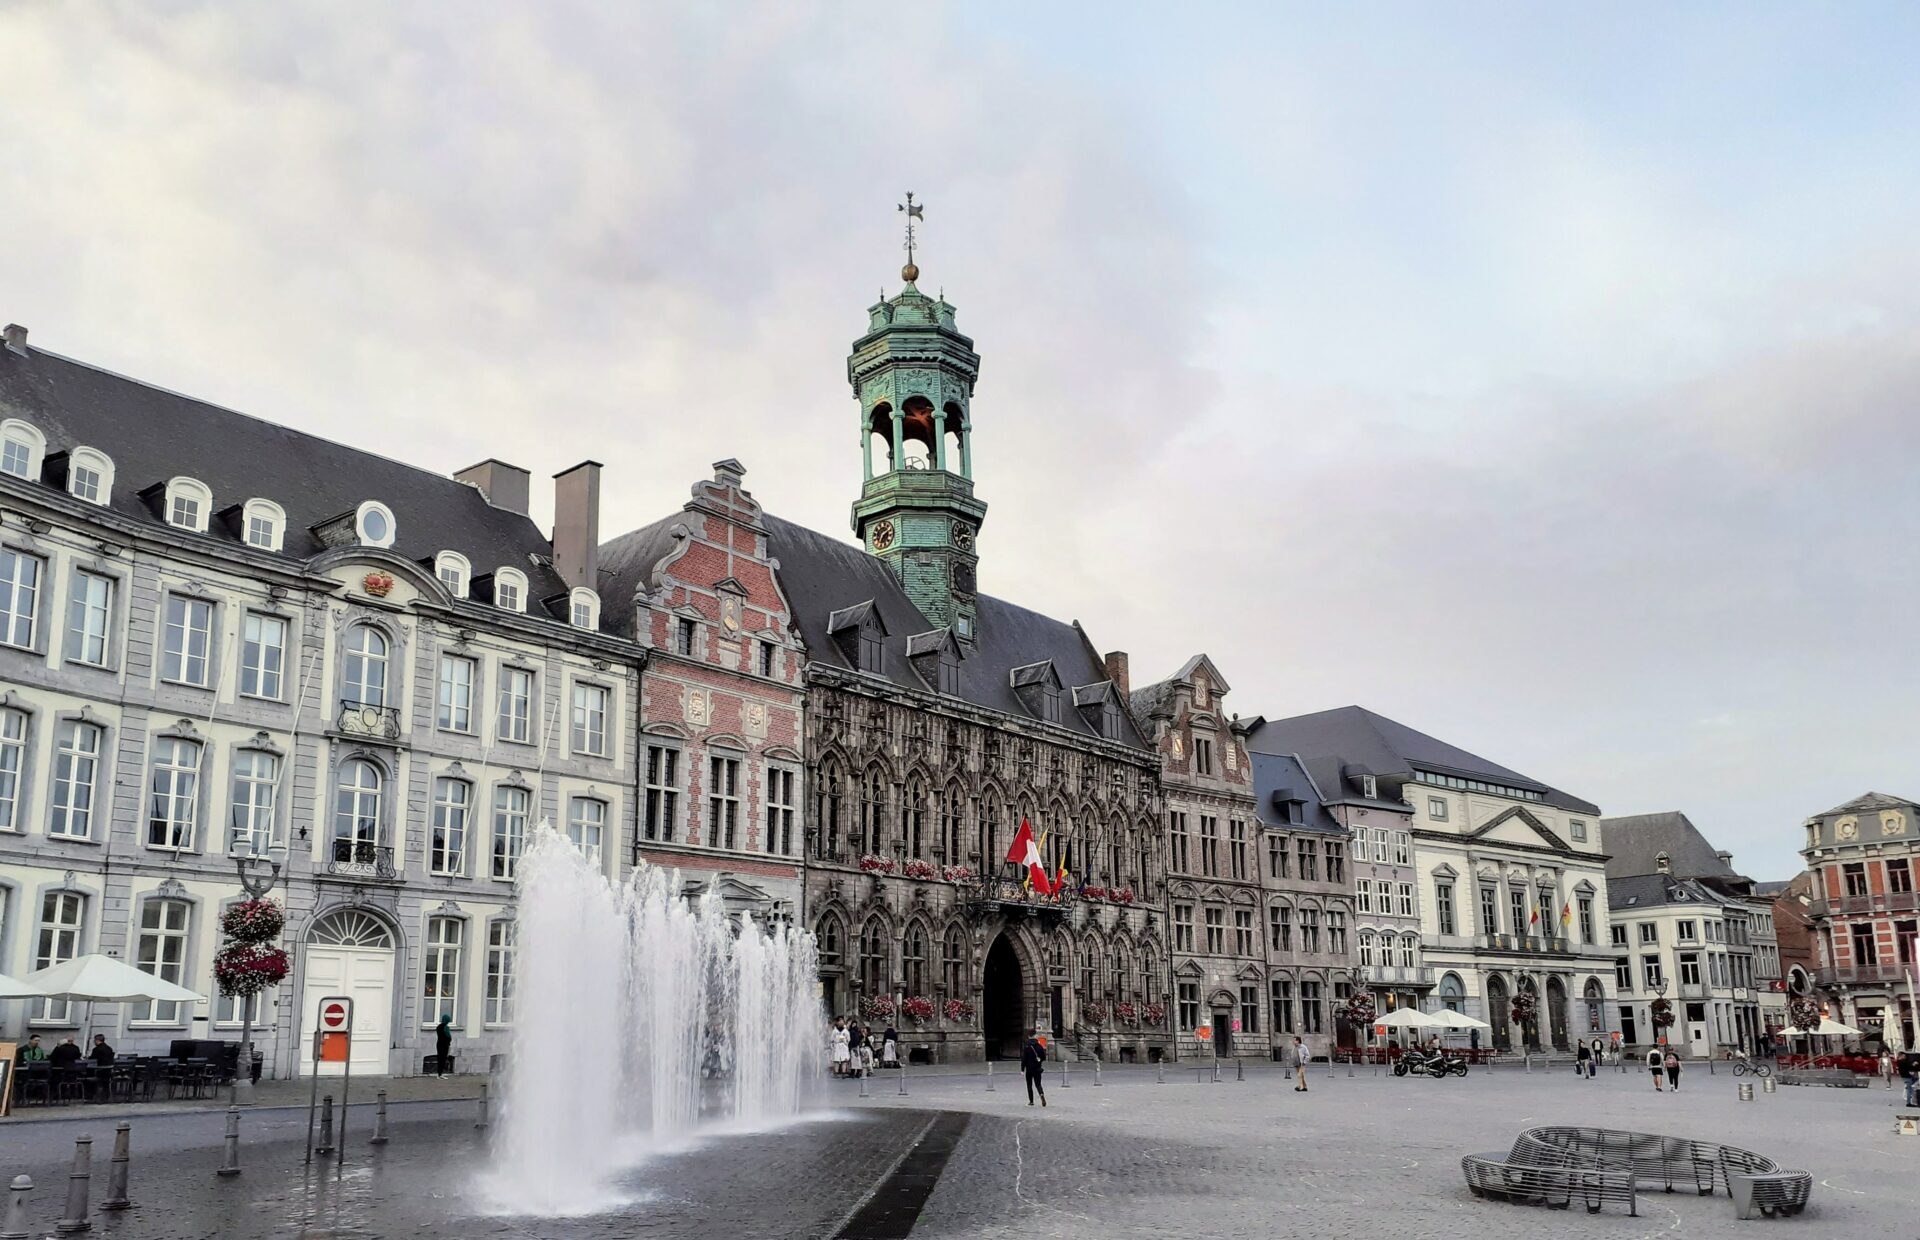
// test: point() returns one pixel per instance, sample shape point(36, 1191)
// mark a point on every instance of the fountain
point(640, 1016)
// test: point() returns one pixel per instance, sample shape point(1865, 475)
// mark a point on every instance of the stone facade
point(1863, 913)
point(1309, 906)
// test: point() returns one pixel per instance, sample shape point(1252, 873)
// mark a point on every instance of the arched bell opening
point(918, 434)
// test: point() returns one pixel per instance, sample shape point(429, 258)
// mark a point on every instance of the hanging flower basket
point(1155, 1014)
point(1803, 1013)
point(244, 969)
point(922, 870)
point(1360, 1008)
point(1525, 1007)
point(878, 1007)
point(1094, 1013)
point(957, 1010)
point(956, 873)
point(1127, 1014)
point(878, 865)
point(919, 1009)
point(253, 921)
point(1661, 1011)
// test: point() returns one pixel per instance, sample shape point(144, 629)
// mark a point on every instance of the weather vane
point(914, 211)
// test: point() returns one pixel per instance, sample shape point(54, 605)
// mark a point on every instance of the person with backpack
point(1673, 1071)
point(1033, 1065)
point(1655, 1061)
point(1583, 1061)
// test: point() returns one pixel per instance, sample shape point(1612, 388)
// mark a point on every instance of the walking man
point(1033, 1064)
point(1583, 1061)
point(443, 1043)
point(1654, 1063)
point(1299, 1066)
point(1910, 1075)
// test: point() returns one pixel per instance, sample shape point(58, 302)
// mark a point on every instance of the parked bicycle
point(1743, 1064)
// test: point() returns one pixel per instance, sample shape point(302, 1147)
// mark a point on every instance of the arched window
point(990, 814)
point(90, 476)
point(510, 589)
point(454, 571)
point(1149, 975)
point(22, 447)
point(1122, 974)
point(827, 941)
point(951, 803)
point(827, 843)
point(366, 667)
point(583, 608)
point(873, 958)
point(913, 960)
point(1089, 973)
point(356, 808)
point(913, 816)
point(373, 524)
point(1453, 995)
point(175, 789)
point(954, 963)
point(263, 524)
point(188, 501)
point(873, 812)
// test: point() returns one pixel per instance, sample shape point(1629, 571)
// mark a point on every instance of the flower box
point(1155, 1014)
point(872, 864)
point(1094, 893)
point(1094, 1013)
point(1127, 1014)
point(922, 870)
point(878, 1007)
point(919, 1009)
point(956, 874)
point(957, 1010)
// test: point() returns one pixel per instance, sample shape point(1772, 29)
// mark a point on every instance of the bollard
point(863, 1086)
point(1096, 1075)
point(1159, 1072)
point(77, 1183)
point(326, 1125)
point(1710, 1071)
point(1767, 1085)
point(1350, 1067)
point(483, 1121)
point(230, 1165)
point(1527, 1058)
point(1064, 1080)
point(379, 1136)
point(903, 1078)
point(17, 1210)
point(1746, 1092)
point(989, 1076)
point(1239, 1068)
point(116, 1198)
point(1216, 1071)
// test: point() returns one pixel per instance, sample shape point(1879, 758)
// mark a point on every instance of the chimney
point(729, 473)
point(503, 485)
point(16, 337)
point(576, 525)
point(1117, 671)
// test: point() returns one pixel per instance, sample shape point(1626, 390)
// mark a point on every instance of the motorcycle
point(1438, 1066)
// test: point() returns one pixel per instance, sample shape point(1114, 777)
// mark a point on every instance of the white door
point(1697, 1040)
point(350, 952)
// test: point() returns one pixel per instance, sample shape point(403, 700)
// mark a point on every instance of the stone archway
point(1499, 1014)
point(1557, 1013)
point(1004, 1014)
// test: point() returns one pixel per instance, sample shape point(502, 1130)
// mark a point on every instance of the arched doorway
point(1596, 999)
point(1003, 1006)
point(1557, 1012)
point(350, 951)
point(1499, 1015)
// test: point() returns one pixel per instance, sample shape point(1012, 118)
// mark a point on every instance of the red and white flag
point(1026, 852)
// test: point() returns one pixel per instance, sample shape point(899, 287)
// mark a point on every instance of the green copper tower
point(913, 376)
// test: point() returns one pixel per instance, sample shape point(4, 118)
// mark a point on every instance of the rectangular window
point(1623, 972)
point(1380, 844)
point(1437, 808)
point(1183, 927)
point(1249, 1009)
point(1243, 931)
point(1310, 1013)
point(1649, 932)
point(263, 655)
point(255, 777)
point(683, 637)
point(173, 793)
point(1856, 876)
point(84, 483)
point(1280, 928)
point(76, 757)
point(766, 659)
point(1489, 911)
point(1406, 899)
point(1619, 934)
point(1308, 854)
point(587, 827)
point(510, 808)
point(1189, 994)
point(1517, 905)
point(663, 793)
point(1689, 969)
point(1900, 877)
point(1216, 931)
point(1443, 906)
point(440, 972)
point(780, 811)
point(1178, 841)
point(501, 934)
point(13, 761)
point(188, 638)
point(1209, 845)
point(1336, 862)
point(516, 704)
point(590, 720)
point(1578, 829)
point(1278, 856)
point(1203, 755)
point(89, 616)
point(1363, 894)
point(1586, 919)
point(1282, 1005)
point(455, 694)
point(1237, 848)
point(1684, 930)
point(452, 811)
point(1651, 971)
point(1309, 930)
point(62, 915)
point(260, 531)
point(1402, 848)
point(1865, 954)
point(19, 597)
point(723, 802)
point(1904, 935)
point(1337, 932)
point(162, 951)
point(16, 458)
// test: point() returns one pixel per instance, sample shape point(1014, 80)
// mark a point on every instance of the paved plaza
point(1130, 1158)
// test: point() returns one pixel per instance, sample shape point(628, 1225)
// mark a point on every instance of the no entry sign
point(333, 1016)
point(333, 1036)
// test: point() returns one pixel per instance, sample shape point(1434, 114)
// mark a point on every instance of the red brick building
point(1864, 913)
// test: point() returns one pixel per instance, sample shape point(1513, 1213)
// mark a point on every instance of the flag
point(1534, 920)
point(1566, 914)
point(1066, 867)
point(1026, 853)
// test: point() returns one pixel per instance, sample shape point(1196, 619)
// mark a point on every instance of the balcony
point(1862, 975)
point(1009, 896)
point(361, 859)
point(1524, 944)
point(1693, 990)
point(367, 723)
point(1397, 975)
point(1862, 906)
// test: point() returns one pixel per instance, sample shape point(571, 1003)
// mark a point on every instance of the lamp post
point(257, 877)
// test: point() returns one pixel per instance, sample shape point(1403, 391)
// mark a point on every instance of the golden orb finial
point(909, 273)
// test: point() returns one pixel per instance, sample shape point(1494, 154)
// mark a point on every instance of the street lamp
point(256, 884)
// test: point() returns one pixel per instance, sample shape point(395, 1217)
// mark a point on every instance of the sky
point(1544, 377)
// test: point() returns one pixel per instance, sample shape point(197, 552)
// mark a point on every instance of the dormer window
point(188, 502)
point(22, 448)
point(373, 524)
point(510, 589)
point(860, 635)
point(1037, 686)
point(583, 608)
point(454, 572)
point(263, 524)
point(90, 476)
point(935, 657)
point(1369, 787)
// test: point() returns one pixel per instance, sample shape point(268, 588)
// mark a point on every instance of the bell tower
point(913, 375)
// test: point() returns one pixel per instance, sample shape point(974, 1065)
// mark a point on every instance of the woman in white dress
point(840, 1055)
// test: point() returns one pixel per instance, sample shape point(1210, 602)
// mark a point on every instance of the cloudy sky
point(1545, 380)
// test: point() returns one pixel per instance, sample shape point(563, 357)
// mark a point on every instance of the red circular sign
point(333, 1015)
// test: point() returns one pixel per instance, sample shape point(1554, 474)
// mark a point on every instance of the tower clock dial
point(963, 536)
point(883, 534)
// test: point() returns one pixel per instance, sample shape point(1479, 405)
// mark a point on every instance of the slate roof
point(152, 435)
point(1144, 701)
point(1356, 735)
point(1635, 841)
point(1870, 801)
point(1287, 773)
point(1643, 891)
point(822, 575)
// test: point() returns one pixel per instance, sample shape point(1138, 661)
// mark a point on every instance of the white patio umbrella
point(1451, 1019)
point(11, 988)
point(102, 979)
point(1828, 1027)
point(1407, 1018)
point(1890, 1034)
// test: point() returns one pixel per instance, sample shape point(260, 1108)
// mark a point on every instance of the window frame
point(437, 975)
point(188, 495)
point(16, 728)
point(660, 810)
point(503, 948)
point(274, 519)
point(254, 652)
point(782, 779)
point(445, 859)
point(77, 635)
point(580, 819)
point(176, 665)
point(461, 568)
point(446, 690)
point(723, 806)
point(510, 590)
point(373, 508)
point(582, 736)
point(249, 803)
point(148, 1013)
point(62, 808)
point(12, 616)
point(511, 674)
point(507, 834)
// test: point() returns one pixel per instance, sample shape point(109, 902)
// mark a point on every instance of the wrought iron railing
point(361, 859)
point(359, 719)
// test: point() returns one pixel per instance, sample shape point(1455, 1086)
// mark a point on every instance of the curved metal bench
point(1656, 1161)
point(1555, 1187)
point(1756, 1182)
point(1554, 1166)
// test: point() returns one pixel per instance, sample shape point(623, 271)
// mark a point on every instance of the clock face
point(962, 537)
point(883, 535)
point(963, 579)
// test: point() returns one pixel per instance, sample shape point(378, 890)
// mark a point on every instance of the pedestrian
point(33, 1052)
point(857, 1047)
point(1033, 1065)
point(1583, 1062)
point(1654, 1064)
point(841, 1056)
point(1599, 1057)
point(1886, 1066)
point(443, 1044)
point(1673, 1070)
point(890, 1047)
point(1299, 1066)
point(1910, 1075)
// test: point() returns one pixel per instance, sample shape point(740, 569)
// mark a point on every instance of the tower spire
point(914, 211)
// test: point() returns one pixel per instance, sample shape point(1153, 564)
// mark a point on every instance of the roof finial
point(910, 273)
